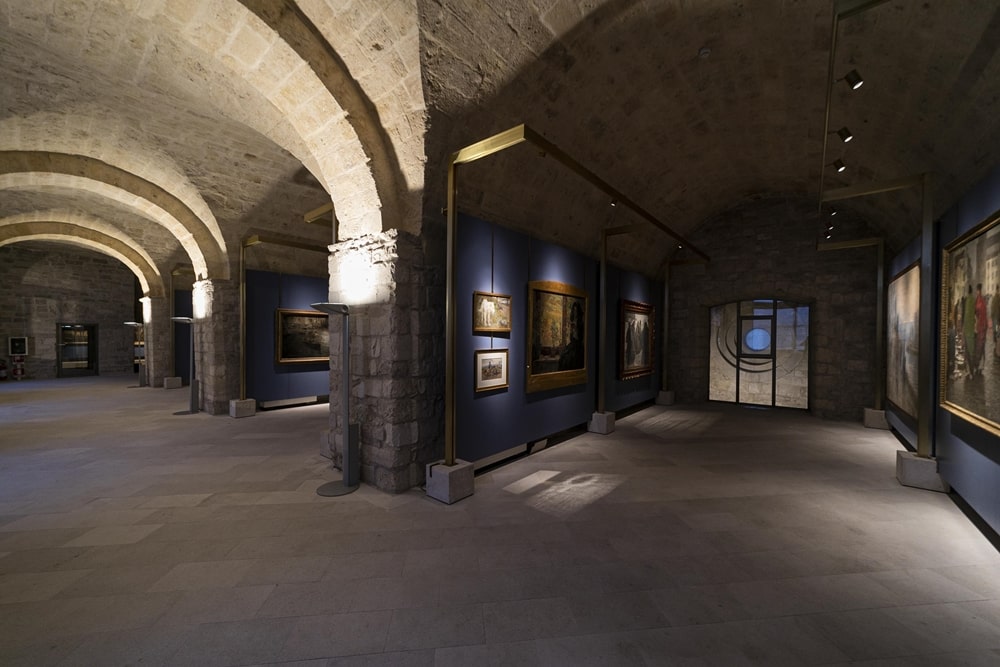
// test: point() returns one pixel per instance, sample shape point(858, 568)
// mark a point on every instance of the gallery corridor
point(692, 535)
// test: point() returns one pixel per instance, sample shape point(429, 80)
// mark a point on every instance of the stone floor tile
point(200, 576)
point(216, 605)
point(235, 643)
point(519, 620)
point(297, 569)
point(105, 535)
point(36, 586)
point(434, 627)
point(337, 635)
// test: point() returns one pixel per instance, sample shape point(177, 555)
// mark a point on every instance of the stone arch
point(149, 277)
point(299, 114)
point(97, 132)
point(27, 170)
point(373, 71)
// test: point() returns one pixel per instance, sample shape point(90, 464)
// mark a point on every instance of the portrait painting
point(635, 340)
point(557, 335)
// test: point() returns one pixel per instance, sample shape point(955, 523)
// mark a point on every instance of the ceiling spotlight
point(614, 202)
point(853, 79)
point(844, 134)
point(833, 212)
point(838, 165)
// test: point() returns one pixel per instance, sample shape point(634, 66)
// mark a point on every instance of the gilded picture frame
point(636, 334)
point(970, 335)
point(902, 340)
point(301, 336)
point(490, 313)
point(557, 336)
point(491, 369)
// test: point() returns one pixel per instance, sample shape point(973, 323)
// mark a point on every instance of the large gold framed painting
point(903, 312)
point(970, 326)
point(557, 336)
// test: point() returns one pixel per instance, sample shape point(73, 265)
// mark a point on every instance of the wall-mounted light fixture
point(844, 134)
point(853, 79)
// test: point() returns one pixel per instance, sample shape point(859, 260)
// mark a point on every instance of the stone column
point(397, 355)
point(156, 317)
point(216, 308)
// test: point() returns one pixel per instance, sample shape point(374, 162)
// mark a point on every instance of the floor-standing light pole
point(194, 386)
point(139, 328)
point(350, 463)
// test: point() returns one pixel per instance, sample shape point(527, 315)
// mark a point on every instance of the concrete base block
point(172, 383)
point(919, 472)
point(246, 407)
point(876, 419)
point(602, 422)
point(665, 398)
point(449, 484)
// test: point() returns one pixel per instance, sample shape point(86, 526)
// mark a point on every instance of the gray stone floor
point(692, 535)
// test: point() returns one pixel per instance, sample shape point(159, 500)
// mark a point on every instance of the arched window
point(760, 353)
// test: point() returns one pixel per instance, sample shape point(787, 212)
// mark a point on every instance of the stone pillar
point(216, 307)
point(156, 317)
point(397, 355)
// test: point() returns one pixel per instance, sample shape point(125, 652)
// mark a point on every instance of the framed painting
point(490, 312)
point(902, 341)
point(970, 336)
point(636, 340)
point(491, 369)
point(301, 336)
point(557, 336)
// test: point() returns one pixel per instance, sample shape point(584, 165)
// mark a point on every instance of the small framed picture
point(491, 369)
point(490, 312)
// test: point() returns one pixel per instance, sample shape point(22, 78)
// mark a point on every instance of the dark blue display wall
point(267, 380)
point(494, 259)
point(183, 307)
point(628, 286)
point(969, 455)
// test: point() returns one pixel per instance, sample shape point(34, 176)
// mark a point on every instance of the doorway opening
point(760, 353)
point(76, 349)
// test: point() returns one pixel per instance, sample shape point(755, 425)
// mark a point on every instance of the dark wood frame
point(498, 299)
point(951, 257)
point(479, 382)
point(627, 371)
point(540, 374)
point(292, 322)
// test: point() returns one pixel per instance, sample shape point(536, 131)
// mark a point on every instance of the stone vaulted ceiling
point(178, 127)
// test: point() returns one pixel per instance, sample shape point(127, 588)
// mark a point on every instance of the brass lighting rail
point(477, 151)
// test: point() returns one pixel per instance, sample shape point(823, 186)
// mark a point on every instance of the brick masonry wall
point(397, 354)
point(767, 249)
point(43, 285)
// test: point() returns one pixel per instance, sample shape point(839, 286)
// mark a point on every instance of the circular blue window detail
point(757, 340)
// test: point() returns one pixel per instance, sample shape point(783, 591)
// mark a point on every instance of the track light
point(833, 212)
point(853, 79)
point(844, 134)
point(838, 165)
point(614, 203)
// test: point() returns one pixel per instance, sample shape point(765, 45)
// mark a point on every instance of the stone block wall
point(396, 292)
point(768, 249)
point(217, 346)
point(41, 285)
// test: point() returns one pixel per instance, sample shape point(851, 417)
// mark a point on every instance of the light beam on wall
point(358, 283)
